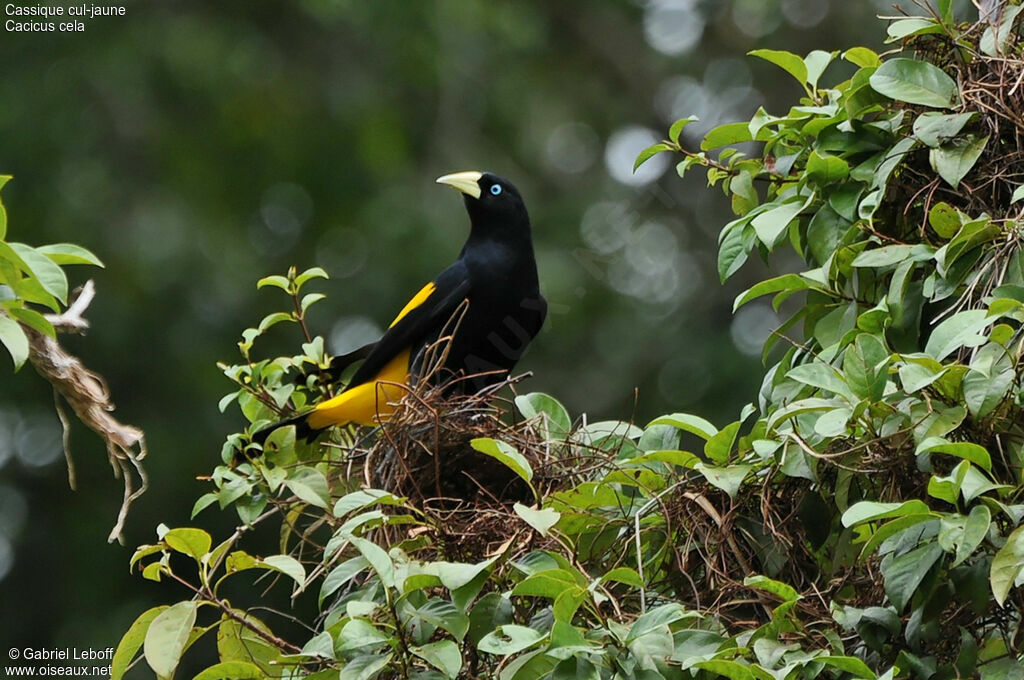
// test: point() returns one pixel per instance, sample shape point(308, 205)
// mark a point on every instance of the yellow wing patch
point(415, 302)
point(368, 403)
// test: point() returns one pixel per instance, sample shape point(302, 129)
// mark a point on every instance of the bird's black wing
point(427, 313)
point(343, 361)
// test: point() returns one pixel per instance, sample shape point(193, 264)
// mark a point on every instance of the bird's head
point(493, 204)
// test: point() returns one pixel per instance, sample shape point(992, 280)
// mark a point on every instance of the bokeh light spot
point(571, 148)
point(805, 13)
point(352, 332)
point(624, 145)
point(37, 441)
point(673, 27)
point(751, 326)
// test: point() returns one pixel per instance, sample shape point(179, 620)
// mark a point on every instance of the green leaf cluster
point(32, 280)
point(895, 386)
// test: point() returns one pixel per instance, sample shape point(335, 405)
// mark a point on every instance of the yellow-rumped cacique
point(478, 315)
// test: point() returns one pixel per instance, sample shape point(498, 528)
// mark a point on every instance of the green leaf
point(443, 655)
point(724, 135)
point(789, 283)
point(69, 253)
point(995, 42)
point(945, 219)
point(378, 559)
point(509, 639)
point(783, 591)
point(890, 529)
point(33, 320)
point(969, 452)
point(677, 128)
point(650, 152)
point(863, 57)
point(231, 670)
point(975, 530)
point(557, 422)
point(868, 511)
point(953, 160)
point(903, 574)
point(732, 251)
point(309, 300)
point(886, 256)
point(624, 575)
point(362, 498)
point(360, 635)
point(1018, 194)
point(455, 575)
point(816, 62)
point(47, 273)
point(934, 128)
point(904, 28)
point(983, 393)
point(273, 319)
point(276, 281)
point(690, 423)
point(7, 254)
point(192, 542)
point(654, 619)
point(167, 636)
point(490, 611)
point(505, 454)
point(958, 331)
point(1007, 565)
point(720, 446)
point(866, 364)
point(771, 224)
point(821, 375)
point(287, 565)
point(310, 485)
point(787, 61)
point(726, 669)
point(914, 82)
point(238, 642)
point(549, 583)
point(946, 10)
point(848, 664)
point(826, 169)
point(728, 479)
point(541, 520)
point(132, 641)
point(311, 273)
point(893, 157)
point(444, 615)
point(365, 667)
point(342, 574)
point(14, 339)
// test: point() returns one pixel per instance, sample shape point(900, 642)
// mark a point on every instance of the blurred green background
point(197, 146)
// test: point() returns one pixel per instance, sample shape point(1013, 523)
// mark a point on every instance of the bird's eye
point(495, 189)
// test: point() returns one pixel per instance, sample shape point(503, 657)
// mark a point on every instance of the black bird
point(487, 302)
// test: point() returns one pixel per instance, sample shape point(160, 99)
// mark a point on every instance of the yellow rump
point(368, 403)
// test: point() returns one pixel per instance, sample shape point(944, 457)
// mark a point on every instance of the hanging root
point(87, 394)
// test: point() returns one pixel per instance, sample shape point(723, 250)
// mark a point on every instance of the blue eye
point(495, 189)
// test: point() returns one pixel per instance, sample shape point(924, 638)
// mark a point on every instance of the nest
point(425, 453)
point(992, 88)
